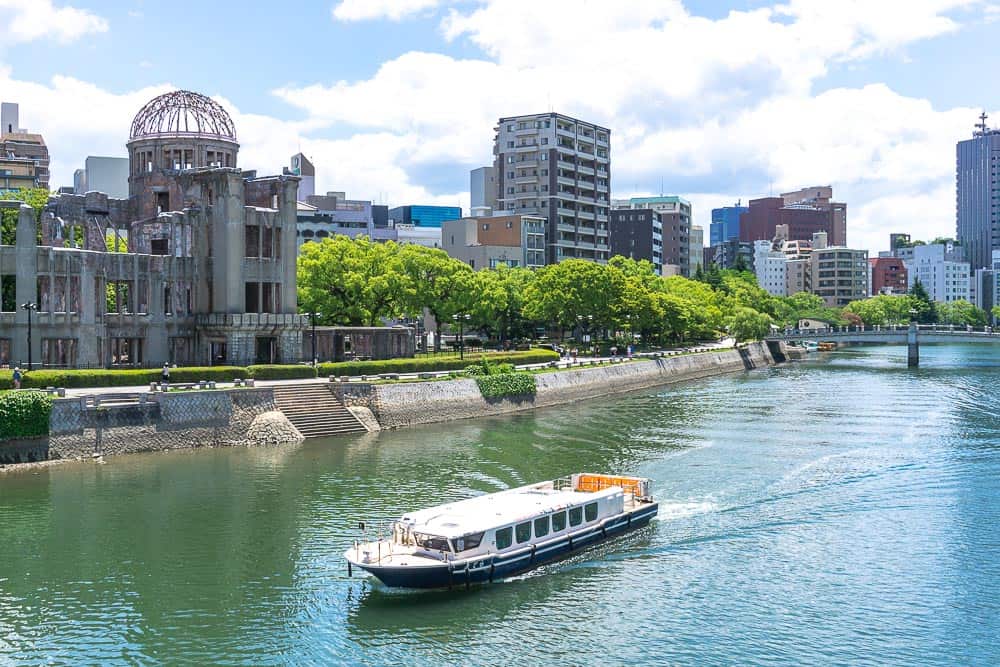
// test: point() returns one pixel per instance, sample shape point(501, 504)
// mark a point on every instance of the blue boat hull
point(499, 566)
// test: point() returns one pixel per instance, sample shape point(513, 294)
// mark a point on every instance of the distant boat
point(810, 345)
point(827, 346)
point(496, 535)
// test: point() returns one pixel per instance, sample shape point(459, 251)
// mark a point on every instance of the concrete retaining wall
point(396, 405)
point(173, 421)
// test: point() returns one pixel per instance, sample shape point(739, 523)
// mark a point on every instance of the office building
point(559, 168)
point(483, 188)
point(734, 254)
point(726, 223)
point(798, 275)
point(208, 272)
point(804, 212)
point(103, 174)
point(488, 241)
point(943, 271)
point(888, 275)
point(24, 157)
point(423, 216)
point(304, 169)
point(696, 255)
point(769, 267)
point(978, 194)
point(322, 216)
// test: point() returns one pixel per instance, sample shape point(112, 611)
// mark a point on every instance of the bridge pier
point(912, 347)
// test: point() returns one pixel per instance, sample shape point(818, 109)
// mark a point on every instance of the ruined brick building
point(197, 266)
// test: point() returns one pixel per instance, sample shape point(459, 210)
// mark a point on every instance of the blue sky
point(395, 99)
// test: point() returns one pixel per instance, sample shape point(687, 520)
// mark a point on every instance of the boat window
point(431, 542)
point(523, 532)
point(467, 542)
point(558, 521)
point(542, 526)
point(505, 537)
point(591, 511)
point(575, 516)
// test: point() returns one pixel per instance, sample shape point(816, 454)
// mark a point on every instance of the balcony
point(568, 166)
point(566, 211)
point(522, 148)
point(525, 179)
point(521, 131)
point(563, 227)
point(586, 171)
point(565, 181)
point(585, 215)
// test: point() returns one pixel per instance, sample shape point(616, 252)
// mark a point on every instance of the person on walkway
point(17, 377)
point(165, 374)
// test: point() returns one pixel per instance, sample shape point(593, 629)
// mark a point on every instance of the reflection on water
point(834, 512)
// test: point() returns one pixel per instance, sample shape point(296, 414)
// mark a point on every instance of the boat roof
point(499, 509)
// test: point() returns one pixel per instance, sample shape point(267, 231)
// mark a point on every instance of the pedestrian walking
point(17, 377)
point(165, 374)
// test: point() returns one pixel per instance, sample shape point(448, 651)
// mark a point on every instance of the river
point(839, 511)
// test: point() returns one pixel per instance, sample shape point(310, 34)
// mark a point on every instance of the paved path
point(565, 362)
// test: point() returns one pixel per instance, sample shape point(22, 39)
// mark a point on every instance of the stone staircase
point(315, 411)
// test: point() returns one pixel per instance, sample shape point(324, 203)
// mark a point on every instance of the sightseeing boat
point(497, 535)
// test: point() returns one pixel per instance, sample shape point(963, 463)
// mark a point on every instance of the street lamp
point(29, 306)
point(312, 319)
point(461, 318)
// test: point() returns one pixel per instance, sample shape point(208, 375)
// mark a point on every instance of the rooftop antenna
point(661, 186)
point(982, 122)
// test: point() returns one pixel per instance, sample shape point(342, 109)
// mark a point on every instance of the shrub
point(286, 372)
point(506, 384)
point(428, 364)
point(24, 414)
point(121, 377)
point(486, 367)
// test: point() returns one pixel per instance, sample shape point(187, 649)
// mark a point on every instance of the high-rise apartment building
point(103, 174)
point(977, 180)
point(560, 168)
point(725, 223)
point(638, 234)
point(24, 157)
point(674, 216)
point(839, 274)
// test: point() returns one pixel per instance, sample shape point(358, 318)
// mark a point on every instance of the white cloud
point(366, 10)
point(719, 109)
point(29, 20)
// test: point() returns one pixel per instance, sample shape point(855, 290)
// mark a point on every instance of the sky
point(396, 100)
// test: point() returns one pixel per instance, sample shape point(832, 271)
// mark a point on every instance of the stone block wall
point(173, 421)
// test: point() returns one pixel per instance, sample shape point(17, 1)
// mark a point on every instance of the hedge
point(276, 372)
point(429, 364)
point(506, 384)
point(119, 377)
point(24, 414)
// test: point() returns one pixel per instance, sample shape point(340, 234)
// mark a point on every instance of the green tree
point(696, 304)
point(961, 312)
point(996, 313)
point(351, 281)
point(437, 282)
point(574, 287)
point(36, 198)
point(748, 324)
point(499, 301)
point(926, 309)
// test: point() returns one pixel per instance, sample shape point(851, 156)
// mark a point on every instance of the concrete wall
point(173, 421)
point(397, 405)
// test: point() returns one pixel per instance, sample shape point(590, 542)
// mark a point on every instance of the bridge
point(894, 334)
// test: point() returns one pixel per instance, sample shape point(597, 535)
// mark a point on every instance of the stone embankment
point(397, 405)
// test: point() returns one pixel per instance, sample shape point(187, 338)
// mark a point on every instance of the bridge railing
point(835, 331)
